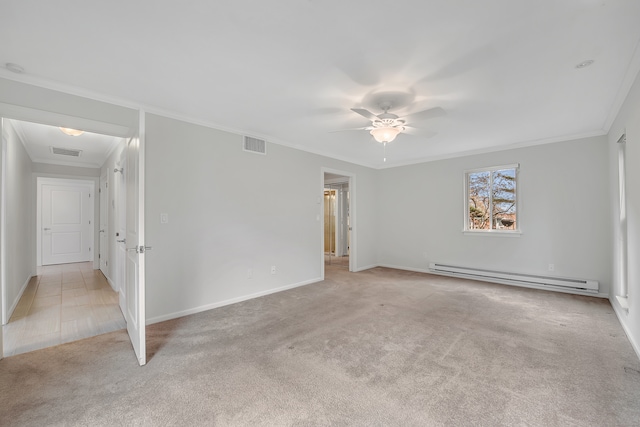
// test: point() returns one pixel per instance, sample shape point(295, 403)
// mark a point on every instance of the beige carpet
point(377, 348)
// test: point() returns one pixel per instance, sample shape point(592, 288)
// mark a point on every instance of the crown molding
point(633, 70)
point(494, 149)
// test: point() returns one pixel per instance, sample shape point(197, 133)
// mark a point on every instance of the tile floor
point(62, 303)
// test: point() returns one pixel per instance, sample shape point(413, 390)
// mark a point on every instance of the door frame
point(120, 227)
point(103, 222)
point(341, 231)
point(351, 179)
point(40, 181)
point(4, 310)
point(11, 111)
point(342, 228)
point(324, 212)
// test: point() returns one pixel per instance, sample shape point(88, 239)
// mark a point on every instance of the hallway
point(337, 261)
point(63, 303)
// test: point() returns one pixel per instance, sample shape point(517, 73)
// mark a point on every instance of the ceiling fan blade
point(425, 114)
point(365, 113)
point(344, 130)
point(424, 133)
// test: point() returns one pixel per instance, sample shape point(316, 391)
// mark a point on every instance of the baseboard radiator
point(561, 283)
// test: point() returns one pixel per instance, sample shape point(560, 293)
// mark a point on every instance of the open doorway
point(40, 105)
point(53, 288)
point(336, 224)
point(338, 220)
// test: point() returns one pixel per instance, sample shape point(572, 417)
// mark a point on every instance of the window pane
point(504, 199)
point(479, 198)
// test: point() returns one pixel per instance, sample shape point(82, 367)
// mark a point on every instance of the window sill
point(497, 233)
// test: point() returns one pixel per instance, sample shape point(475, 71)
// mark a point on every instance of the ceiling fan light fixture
point(385, 134)
point(71, 132)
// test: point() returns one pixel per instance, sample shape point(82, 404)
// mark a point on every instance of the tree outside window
point(491, 199)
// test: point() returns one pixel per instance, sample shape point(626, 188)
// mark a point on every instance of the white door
point(66, 219)
point(104, 225)
point(135, 262)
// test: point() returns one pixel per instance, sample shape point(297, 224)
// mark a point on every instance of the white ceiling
point(38, 140)
point(290, 70)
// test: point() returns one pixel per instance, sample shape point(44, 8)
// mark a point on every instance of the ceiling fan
point(386, 126)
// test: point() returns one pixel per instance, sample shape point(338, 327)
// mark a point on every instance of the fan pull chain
point(385, 151)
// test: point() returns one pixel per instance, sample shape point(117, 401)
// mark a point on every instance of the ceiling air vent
point(254, 145)
point(66, 151)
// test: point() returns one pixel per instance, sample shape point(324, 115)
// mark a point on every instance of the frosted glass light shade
point(71, 132)
point(385, 134)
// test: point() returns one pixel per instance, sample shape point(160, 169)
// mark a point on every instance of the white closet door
point(67, 228)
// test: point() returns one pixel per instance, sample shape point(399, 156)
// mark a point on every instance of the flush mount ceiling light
point(71, 132)
point(387, 133)
point(585, 64)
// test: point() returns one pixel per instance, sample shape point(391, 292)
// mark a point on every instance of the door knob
point(102, 231)
point(122, 241)
point(140, 249)
point(46, 229)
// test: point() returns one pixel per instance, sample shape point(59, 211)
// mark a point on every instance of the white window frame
point(502, 232)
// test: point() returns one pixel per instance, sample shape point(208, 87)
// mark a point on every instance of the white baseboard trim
point(113, 285)
point(621, 313)
point(399, 267)
point(16, 301)
point(206, 307)
point(623, 302)
point(366, 267)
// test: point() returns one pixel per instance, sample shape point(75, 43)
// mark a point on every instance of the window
point(491, 202)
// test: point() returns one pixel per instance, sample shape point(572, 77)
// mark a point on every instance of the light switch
point(164, 218)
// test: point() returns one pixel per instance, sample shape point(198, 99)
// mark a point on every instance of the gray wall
point(19, 208)
point(230, 211)
point(564, 216)
point(628, 120)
